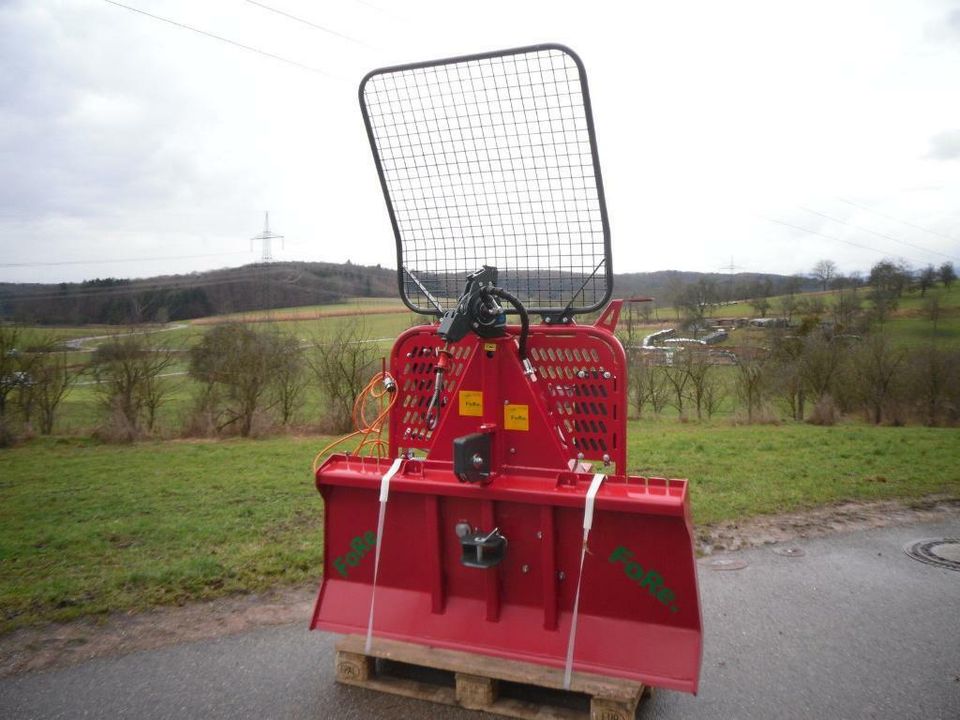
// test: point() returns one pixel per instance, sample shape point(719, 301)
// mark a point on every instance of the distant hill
point(181, 297)
point(665, 285)
point(287, 284)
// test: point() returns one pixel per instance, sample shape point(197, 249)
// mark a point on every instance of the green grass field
point(87, 528)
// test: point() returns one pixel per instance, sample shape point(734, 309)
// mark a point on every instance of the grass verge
point(88, 528)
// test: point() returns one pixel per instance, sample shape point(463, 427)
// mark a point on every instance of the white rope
point(587, 524)
point(384, 493)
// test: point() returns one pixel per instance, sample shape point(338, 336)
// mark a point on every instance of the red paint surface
point(522, 608)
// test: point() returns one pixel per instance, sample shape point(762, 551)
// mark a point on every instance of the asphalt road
point(852, 629)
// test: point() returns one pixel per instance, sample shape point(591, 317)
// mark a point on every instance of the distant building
point(769, 322)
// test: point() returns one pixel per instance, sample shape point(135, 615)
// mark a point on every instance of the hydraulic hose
point(521, 310)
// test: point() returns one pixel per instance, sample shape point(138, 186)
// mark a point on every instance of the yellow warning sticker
point(490, 347)
point(516, 417)
point(471, 403)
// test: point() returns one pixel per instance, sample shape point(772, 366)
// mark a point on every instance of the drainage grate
point(942, 552)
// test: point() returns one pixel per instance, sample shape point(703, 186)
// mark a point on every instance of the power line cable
point(905, 222)
point(875, 232)
point(824, 235)
point(314, 25)
point(220, 38)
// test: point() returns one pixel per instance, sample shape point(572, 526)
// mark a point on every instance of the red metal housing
point(639, 613)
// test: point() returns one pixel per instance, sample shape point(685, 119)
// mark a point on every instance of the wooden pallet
point(502, 687)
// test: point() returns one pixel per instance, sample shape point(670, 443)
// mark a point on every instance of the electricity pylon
point(267, 238)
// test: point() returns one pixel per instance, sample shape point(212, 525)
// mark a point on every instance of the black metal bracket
point(482, 549)
point(560, 318)
point(477, 310)
point(472, 457)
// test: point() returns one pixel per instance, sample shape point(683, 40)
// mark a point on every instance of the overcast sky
point(125, 138)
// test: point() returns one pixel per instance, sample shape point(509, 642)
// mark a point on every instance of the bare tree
point(752, 382)
point(788, 306)
point(235, 365)
point(52, 379)
point(847, 308)
point(290, 377)
point(696, 363)
point(641, 375)
point(128, 374)
point(341, 366)
point(926, 279)
point(11, 337)
point(820, 361)
point(878, 366)
point(714, 393)
point(824, 271)
point(947, 274)
point(760, 305)
point(45, 379)
point(677, 377)
point(759, 293)
point(696, 300)
point(787, 354)
point(934, 379)
point(933, 311)
point(659, 389)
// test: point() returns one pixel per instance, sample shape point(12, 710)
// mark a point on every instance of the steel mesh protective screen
point(491, 160)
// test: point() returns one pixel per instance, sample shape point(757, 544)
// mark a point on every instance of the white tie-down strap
point(587, 524)
point(384, 494)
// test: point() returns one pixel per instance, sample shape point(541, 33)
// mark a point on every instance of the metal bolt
point(547, 320)
point(506, 402)
point(561, 575)
point(607, 375)
point(477, 460)
point(606, 459)
point(513, 451)
point(566, 320)
point(581, 374)
point(539, 534)
point(524, 568)
point(580, 456)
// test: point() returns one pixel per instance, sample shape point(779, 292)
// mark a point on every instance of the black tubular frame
point(592, 278)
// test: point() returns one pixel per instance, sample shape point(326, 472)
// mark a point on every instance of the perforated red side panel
point(585, 382)
point(413, 366)
point(577, 405)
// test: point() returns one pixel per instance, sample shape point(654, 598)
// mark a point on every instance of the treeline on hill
point(181, 297)
point(830, 357)
point(819, 362)
point(673, 287)
point(119, 301)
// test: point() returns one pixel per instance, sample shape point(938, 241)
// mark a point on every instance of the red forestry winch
point(499, 517)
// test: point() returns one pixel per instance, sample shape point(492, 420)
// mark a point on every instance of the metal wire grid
point(491, 160)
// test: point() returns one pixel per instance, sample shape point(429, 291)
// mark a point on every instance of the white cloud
point(124, 137)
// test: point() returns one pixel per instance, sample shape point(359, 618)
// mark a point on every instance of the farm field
point(377, 320)
point(909, 325)
point(88, 528)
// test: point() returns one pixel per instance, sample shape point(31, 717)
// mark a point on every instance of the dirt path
point(80, 344)
point(61, 644)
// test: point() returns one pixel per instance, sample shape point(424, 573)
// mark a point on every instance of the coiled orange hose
point(371, 432)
